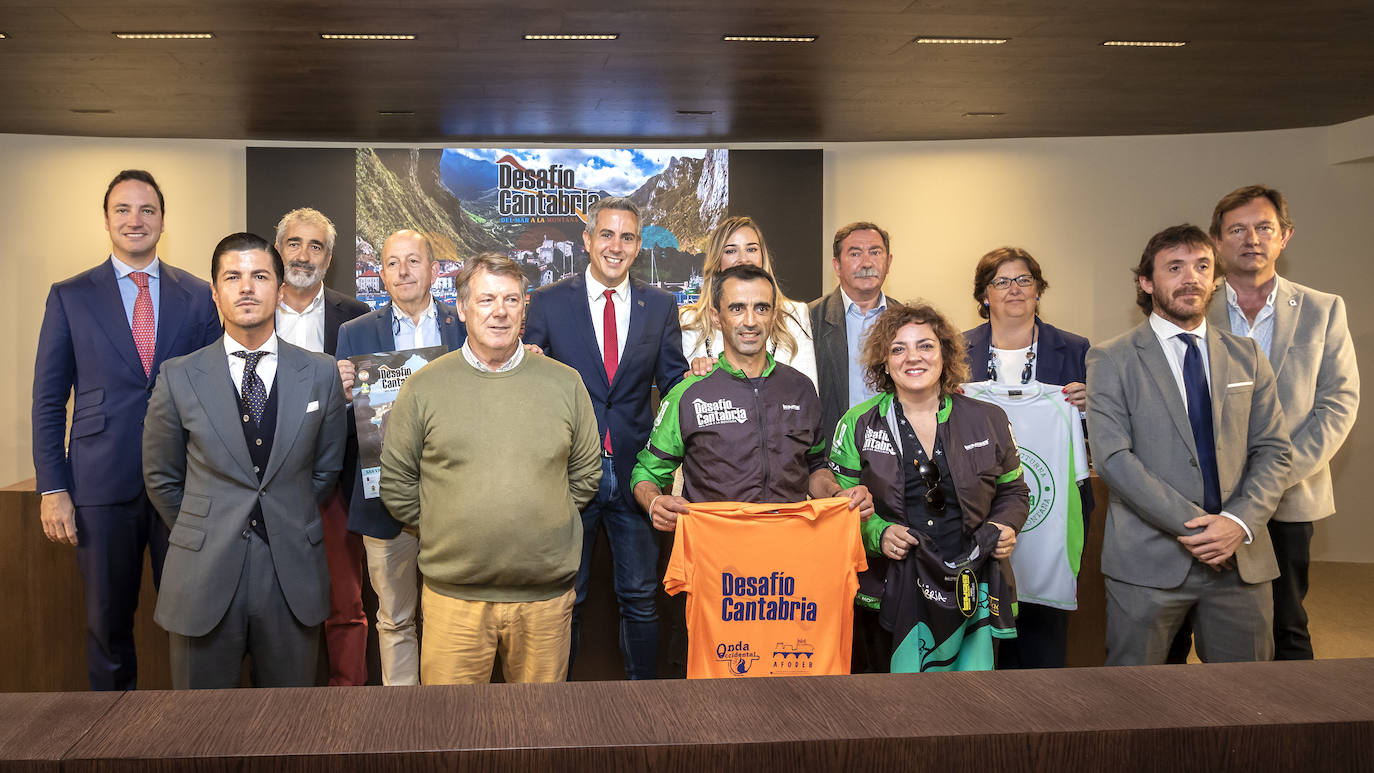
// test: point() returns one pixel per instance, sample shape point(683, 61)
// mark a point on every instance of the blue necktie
point(1200, 417)
point(253, 391)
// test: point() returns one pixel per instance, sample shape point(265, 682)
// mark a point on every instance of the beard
point(1179, 310)
point(303, 275)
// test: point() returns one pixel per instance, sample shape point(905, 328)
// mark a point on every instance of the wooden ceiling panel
point(471, 77)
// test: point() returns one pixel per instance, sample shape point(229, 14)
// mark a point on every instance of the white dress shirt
point(305, 328)
point(1174, 351)
point(596, 300)
point(267, 366)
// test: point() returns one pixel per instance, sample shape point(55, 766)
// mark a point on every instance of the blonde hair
point(697, 316)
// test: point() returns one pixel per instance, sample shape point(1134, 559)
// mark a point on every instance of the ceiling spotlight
point(3, 36)
point(769, 38)
point(965, 41)
point(363, 36)
point(92, 110)
point(1147, 43)
point(163, 35)
point(984, 115)
point(596, 36)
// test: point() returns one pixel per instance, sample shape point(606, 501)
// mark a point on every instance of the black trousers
point(1042, 639)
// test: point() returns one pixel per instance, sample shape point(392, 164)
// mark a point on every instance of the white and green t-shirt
point(1049, 434)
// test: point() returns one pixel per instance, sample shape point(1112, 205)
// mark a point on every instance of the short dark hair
point(1242, 196)
point(989, 264)
point(492, 263)
point(861, 225)
point(1186, 235)
point(242, 242)
point(744, 272)
point(134, 174)
point(621, 203)
point(877, 343)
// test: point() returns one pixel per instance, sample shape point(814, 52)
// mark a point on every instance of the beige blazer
point(1319, 389)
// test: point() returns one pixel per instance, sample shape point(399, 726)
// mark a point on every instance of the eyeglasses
point(930, 475)
point(1003, 282)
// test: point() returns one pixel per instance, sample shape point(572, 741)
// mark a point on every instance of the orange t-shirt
point(770, 587)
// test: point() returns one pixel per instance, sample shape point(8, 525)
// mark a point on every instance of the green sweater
point(494, 469)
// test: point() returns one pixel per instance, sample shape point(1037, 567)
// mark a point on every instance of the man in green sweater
point(492, 453)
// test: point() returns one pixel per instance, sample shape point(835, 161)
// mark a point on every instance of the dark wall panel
point(781, 190)
point(282, 179)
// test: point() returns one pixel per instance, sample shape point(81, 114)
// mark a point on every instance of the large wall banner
point(531, 205)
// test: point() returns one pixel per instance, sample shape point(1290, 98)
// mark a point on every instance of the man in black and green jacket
point(750, 430)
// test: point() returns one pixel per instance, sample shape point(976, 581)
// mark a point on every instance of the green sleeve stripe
point(1009, 477)
point(872, 532)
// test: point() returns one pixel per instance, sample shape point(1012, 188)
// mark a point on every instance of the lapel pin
point(448, 320)
point(1292, 301)
point(641, 304)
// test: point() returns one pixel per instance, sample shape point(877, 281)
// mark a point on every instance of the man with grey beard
point(309, 315)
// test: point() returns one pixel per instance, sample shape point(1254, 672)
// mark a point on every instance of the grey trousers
point(1232, 619)
point(258, 623)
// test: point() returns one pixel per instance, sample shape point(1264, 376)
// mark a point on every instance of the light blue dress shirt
point(856, 324)
point(410, 336)
point(1263, 329)
point(128, 291)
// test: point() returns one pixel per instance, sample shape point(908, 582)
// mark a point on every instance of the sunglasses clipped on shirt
point(930, 475)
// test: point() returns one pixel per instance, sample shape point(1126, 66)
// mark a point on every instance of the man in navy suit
point(105, 334)
point(413, 319)
point(309, 316)
point(623, 337)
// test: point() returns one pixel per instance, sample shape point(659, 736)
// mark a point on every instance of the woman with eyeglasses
point(1015, 346)
point(947, 486)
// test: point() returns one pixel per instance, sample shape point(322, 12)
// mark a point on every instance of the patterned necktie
point(253, 391)
point(144, 326)
point(1200, 417)
point(610, 348)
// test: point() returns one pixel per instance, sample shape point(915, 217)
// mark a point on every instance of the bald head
point(408, 269)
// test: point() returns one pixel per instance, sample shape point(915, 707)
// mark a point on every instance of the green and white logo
point(1042, 488)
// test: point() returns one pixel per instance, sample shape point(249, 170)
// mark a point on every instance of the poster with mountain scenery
point(532, 204)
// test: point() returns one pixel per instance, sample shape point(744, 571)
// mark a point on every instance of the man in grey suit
point(1186, 430)
point(241, 440)
point(839, 320)
point(1305, 336)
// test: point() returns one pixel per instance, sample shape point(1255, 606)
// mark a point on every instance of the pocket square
point(1240, 384)
point(313, 406)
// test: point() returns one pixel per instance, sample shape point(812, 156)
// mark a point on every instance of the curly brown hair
point(878, 343)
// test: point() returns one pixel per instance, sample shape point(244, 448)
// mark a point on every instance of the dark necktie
point(1200, 417)
point(610, 349)
point(144, 326)
point(253, 391)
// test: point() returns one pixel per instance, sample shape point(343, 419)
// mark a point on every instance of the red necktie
point(144, 327)
point(610, 348)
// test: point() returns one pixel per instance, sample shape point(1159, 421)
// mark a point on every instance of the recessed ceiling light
point(395, 113)
point(1147, 43)
point(590, 36)
point(92, 110)
point(3, 36)
point(164, 35)
point(965, 41)
point(769, 38)
point(363, 36)
point(984, 115)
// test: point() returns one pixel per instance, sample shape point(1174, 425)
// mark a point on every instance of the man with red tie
point(105, 333)
point(623, 337)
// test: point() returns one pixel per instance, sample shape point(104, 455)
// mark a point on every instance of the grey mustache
point(866, 273)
